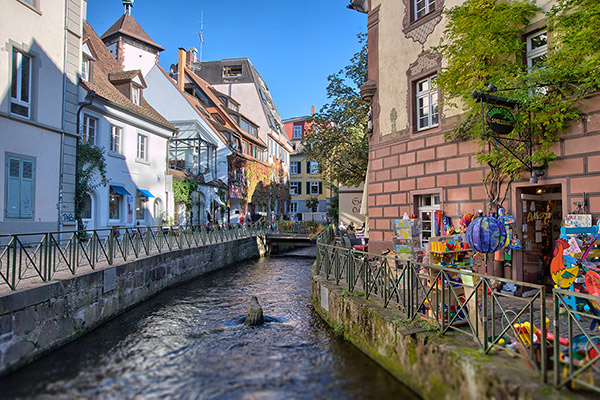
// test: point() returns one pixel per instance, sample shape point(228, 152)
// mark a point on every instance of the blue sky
point(294, 45)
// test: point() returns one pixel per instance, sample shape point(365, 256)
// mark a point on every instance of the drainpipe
point(89, 100)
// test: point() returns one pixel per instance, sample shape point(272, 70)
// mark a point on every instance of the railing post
point(544, 335)
point(485, 315)
point(111, 246)
point(556, 313)
point(14, 262)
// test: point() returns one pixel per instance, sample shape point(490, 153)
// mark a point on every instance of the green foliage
point(312, 203)
point(339, 330)
point(91, 173)
point(333, 208)
point(183, 189)
point(337, 134)
point(482, 45)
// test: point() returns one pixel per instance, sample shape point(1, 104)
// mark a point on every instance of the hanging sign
point(500, 120)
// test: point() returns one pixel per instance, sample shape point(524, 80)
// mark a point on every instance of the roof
point(123, 75)
point(106, 65)
point(128, 26)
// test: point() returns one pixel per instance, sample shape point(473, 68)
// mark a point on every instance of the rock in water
point(254, 316)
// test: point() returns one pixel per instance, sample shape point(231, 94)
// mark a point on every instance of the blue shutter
point(320, 187)
point(299, 163)
point(299, 187)
point(27, 189)
point(308, 188)
point(13, 187)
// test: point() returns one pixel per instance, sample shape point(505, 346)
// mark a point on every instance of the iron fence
point(452, 300)
point(38, 257)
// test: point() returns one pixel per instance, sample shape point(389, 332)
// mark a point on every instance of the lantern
point(486, 235)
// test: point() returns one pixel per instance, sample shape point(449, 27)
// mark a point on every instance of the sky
point(294, 45)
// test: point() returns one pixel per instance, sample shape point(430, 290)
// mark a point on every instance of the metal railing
point(468, 303)
point(38, 257)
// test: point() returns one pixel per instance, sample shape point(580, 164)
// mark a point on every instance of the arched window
point(158, 211)
point(86, 212)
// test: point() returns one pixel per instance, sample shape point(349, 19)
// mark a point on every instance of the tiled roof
point(127, 25)
point(105, 66)
point(123, 75)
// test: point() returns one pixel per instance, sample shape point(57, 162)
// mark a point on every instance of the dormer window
point(136, 95)
point(87, 61)
point(85, 70)
point(232, 71)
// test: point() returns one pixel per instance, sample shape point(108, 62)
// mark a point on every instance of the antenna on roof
point(201, 34)
point(128, 4)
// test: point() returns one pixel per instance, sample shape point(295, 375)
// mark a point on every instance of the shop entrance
point(540, 217)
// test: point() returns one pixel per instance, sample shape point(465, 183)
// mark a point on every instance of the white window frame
point(141, 147)
point(297, 132)
point(533, 53)
point(294, 188)
point(314, 168)
point(86, 64)
point(294, 168)
point(427, 203)
point(422, 8)
point(85, 131)
point(293, 207)
point(20, 101)
point(136, 95)
point(116, 139)
point(429, 96)
point(19, 183)
point(313, 185)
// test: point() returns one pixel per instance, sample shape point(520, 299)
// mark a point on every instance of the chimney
point(192, 56)
point(312, 110)
point(181, 69)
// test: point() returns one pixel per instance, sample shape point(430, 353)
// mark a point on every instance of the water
point(186, 343)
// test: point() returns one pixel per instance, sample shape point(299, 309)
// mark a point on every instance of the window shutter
point(308, 167)
point(307, 187)
point(299, 187)
point(320, 187)
point(27, 190)
point(299, 163)
point(14, 174)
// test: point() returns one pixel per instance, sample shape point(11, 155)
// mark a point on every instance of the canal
point(187, 343)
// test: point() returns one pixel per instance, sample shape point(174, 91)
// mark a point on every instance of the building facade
point(415, 170)
point(39, 60)
point(305, 179)
point(115, 116)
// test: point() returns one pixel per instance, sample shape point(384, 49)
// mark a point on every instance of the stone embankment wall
point(35, 321)
point(434, 366)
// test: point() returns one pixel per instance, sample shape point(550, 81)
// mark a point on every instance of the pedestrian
point(208, 217)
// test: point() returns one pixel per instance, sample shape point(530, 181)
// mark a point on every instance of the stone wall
point(432, 365)
point(35, 321)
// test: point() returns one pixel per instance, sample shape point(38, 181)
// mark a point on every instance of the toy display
point(486, 235)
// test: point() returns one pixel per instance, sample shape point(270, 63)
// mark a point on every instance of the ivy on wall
point(483, 44)
point(183, 189)
point(91, 174)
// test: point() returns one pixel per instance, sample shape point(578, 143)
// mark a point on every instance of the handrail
point(39, 256)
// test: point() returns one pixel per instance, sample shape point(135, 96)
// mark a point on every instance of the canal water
point(187, 343)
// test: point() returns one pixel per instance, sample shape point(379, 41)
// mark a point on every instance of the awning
point(219, 201)
point(145, 193)
point(120, 190)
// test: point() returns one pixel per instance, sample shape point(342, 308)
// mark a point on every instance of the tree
point(337, 136)
point(333, 209)
point(482, 46)
point(312, 203)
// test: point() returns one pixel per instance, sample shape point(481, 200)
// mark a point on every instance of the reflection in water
point(187, 343)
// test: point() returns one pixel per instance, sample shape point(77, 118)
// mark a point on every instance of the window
point(88, 135)
point(253, 131)
point(295, 188)
point(427, 103)
point(537, 47)
point(136, 95)
point(142, 147)
point(232, 71)
point(314, 167)
point(297, 132)
point(423, 7)
point(115, 138)
point(244, 125)
point(86, 211)
point(296, 167)
point(19, 193)
point(86, 69)
point(428, 205)
point(114, 205)
point(140, 199)
point(20, 91)
point(314, 187)
point(293, 207)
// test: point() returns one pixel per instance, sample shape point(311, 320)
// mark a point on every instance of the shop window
point(114, 205)
point(427, 205)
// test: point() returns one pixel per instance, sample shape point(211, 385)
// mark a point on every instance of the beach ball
point(486, 235)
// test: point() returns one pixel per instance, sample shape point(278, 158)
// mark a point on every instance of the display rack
point(407, 244)
point(450, 251)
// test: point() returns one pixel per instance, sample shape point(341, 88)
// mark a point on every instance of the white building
point(134, 137)
point(39, 68)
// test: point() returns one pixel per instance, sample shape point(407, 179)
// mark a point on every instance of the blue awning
point(145, 193)
point(120, 190)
